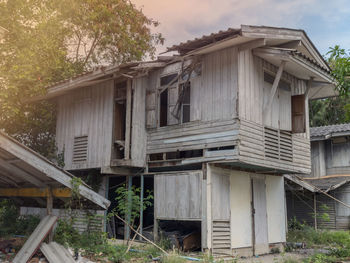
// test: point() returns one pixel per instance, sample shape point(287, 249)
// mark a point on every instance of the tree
point(334, 110)
point(51, 40)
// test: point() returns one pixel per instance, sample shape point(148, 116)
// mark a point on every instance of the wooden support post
point(253, 215)
point(155, 221)
point(128, 119)
point(128, 216)
point(49, 206)
point(267, 107)
point(315, 211)
point(141, 204)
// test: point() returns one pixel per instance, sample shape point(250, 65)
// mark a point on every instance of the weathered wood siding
point(337, 157)
point(87, 112)
point(138, 127)
point(82, 222)
point(290, 153)
point(192, 135)
point(330, 158)
point(213, 92)
point(254, 91)
point(318, 161)
point(178, 196)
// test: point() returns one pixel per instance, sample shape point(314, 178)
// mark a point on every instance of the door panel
point(260, 216)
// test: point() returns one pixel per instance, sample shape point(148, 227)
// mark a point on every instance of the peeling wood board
point(36, 238)
point(56, 253)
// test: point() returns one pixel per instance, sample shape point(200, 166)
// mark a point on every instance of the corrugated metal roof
point(203, 40)
point(328, 183)
point(302, 56)
point(329, 131)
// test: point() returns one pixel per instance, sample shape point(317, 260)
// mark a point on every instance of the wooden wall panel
point(220, 183)
point(86, 111)
point(178, 196)
point(138, 127)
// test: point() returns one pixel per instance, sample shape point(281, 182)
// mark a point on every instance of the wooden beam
point(35, 192)
point(128, 120)
point(252, 44)
point(19, 173)
point(291, 44)
point(48, 169)
point(274, 86)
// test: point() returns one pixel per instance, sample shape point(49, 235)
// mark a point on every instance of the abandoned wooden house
point(211, 131)
point(330, 155)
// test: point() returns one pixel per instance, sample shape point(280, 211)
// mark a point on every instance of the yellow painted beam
point(35, 192)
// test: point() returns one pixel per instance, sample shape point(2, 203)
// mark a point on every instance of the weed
point(12, 223)
point(289, 260)
point(173, 258)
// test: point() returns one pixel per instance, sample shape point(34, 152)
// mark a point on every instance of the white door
point(260, 231)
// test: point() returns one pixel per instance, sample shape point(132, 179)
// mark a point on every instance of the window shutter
point(173, 98)
point(298, 114)
point(151, 100)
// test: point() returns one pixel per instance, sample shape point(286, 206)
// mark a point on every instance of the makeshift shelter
point(28, 178)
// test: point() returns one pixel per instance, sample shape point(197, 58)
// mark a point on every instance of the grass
point(337, 242)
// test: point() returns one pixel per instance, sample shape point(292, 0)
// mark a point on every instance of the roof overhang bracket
point(267, 106)
point(290, 45)
point(261, 42)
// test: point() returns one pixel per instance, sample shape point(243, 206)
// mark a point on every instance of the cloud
point(182, 20)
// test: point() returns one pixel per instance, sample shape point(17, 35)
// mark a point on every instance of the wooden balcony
point(237, 143)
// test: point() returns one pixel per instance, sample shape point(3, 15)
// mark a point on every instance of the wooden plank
point(274, 86)
point(128, 120)
point(35, 192)
point(56, 253)
point(36, 238)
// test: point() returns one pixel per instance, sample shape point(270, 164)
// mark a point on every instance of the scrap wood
point(36, 238)
point(132, 241)
point(145, 238)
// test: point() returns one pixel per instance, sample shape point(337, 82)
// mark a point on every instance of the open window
point(185, 101)
point(298, 114)
point(164, 106)
point(167, 99)
point(119, 119)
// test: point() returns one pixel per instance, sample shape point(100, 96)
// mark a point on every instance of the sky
point(327, 23)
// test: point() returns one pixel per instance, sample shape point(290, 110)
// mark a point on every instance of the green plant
point(320, 258)
point(294, 224)
point(173, 258)
point(129, 202)
point(12, 223)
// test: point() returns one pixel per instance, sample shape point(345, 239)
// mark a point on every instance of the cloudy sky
point(327, 22)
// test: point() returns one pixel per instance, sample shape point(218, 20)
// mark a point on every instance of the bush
point(11, 223)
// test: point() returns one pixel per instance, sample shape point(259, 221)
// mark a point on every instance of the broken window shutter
point(298, 114)
point(151, 100)
point(173, 97)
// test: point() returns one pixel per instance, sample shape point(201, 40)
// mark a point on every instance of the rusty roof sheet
point(204, 40)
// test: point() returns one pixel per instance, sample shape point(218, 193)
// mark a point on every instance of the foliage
point(339, 61)
point(334, 110)
point(93, 179)
point(320, 258)
point(11, 223)
point(173, 258)
point(129, 202)
point(51, 40)
point(294, 224)
point(329, 111)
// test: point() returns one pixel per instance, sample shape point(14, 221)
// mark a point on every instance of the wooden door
point(260, 232)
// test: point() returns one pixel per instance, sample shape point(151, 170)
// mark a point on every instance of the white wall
point(240, 206)
point(275, 205)
point(241, 219)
